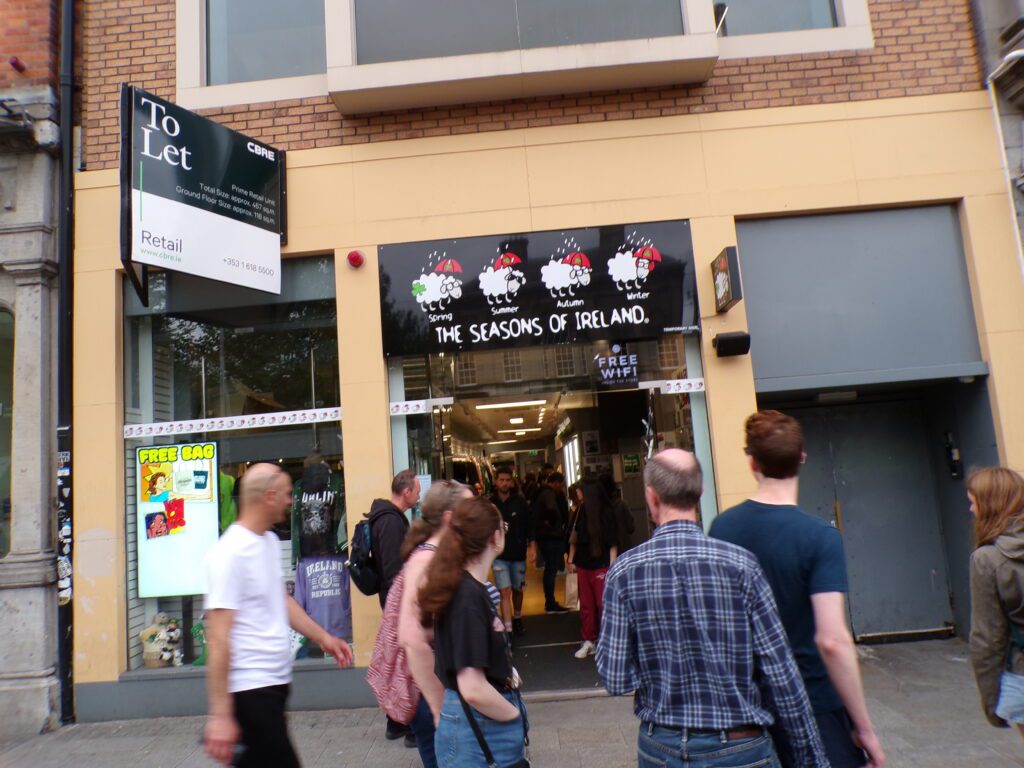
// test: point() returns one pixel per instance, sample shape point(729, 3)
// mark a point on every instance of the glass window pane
point(749, 17)
point(219, 350)
point(457, 27)
point(264, 39)
point(6, 413)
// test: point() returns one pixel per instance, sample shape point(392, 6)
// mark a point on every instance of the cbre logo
point(256, 149)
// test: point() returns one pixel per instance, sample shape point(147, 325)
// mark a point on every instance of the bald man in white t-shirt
point(248, 612)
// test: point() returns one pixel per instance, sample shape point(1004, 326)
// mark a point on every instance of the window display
point(219, 378)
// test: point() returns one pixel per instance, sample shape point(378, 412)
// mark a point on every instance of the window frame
point(852, 32)
point(190, 68)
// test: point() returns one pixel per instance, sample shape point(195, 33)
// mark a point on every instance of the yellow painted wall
point(709, 169)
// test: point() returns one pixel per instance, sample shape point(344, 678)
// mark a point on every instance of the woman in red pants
point(592, 549)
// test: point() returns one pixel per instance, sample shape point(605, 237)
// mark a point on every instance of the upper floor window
point(513, 365)
point(565, 362)
point(465, 371)
point(455, 27)
point(751, 17)
point(250, 40)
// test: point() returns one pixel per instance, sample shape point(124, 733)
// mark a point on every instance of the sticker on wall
point(567, 270)
point(633, 263)
point(441, 286)
point(501, 281)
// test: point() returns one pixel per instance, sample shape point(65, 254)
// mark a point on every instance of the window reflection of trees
point(255, 360)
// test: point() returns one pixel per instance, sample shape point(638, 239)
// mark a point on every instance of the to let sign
point(197, 197)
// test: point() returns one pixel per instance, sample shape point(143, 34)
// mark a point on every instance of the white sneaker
point(587, 649)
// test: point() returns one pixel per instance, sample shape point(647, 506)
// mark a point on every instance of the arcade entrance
point(584, 409)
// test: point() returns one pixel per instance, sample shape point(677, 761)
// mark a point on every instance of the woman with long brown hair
point(483, 720)
point(997, 593)
point(418, 641)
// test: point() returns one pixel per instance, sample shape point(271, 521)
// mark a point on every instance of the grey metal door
point(886, 507)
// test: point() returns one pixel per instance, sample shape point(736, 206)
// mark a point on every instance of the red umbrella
point(577, 259)
point(507, 259)
point(448, 265)
point(649, 253)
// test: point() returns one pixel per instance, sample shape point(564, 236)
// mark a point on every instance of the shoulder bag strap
point(488, 755)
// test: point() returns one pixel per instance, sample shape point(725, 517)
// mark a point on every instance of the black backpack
point(362, 567)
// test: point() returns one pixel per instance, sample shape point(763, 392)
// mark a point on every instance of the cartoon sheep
point(630, 269)
point(437, 290)
point(501, 282)
point(561, 277)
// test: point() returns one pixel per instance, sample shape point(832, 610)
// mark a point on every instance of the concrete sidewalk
point(921, 695)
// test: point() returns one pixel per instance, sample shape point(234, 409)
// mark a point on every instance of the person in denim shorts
point(510, 566)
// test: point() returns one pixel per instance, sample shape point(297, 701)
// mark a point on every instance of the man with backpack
point(388, 525)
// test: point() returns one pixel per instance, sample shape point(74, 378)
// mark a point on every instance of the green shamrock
point(418, 288)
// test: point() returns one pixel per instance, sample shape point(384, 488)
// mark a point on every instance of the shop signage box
point(725, 272)
point(197, 197)
point(621, 282)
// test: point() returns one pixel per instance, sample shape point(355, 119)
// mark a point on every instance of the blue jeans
point(677, 748)
point(457, 747)
point(422, 726)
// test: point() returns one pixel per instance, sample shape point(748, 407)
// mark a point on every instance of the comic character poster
point(178, 517)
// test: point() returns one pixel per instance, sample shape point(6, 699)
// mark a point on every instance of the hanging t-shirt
point(318, 513)
point(322, 589)
point(244, 576)
point(226, 500)
point(470, 634)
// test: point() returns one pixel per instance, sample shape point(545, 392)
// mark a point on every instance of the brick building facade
point(924, 47)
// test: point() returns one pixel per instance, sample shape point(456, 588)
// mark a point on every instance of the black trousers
point(553, 551)
point(265, 742)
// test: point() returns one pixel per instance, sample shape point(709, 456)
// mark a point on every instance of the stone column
point(28, 682)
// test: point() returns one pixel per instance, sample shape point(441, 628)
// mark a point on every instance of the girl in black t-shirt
point(472, 651)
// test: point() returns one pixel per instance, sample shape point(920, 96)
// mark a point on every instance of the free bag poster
point(177, 517)
point(622, 282)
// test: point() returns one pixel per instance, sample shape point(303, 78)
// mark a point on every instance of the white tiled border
point(506, 74)
point(232, 423)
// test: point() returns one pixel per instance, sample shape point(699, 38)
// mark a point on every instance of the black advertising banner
point(627, 281)
point(198, 197)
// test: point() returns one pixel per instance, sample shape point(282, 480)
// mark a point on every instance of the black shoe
point(556, 608)
point(517, 627)
point(410, 740)
point(395, 730)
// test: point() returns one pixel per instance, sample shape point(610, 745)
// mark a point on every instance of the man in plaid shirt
point(691, 626)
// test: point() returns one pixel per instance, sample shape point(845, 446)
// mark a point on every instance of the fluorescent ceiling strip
point(520, 404)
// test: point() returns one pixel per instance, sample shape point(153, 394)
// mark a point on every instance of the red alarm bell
point(355, 259)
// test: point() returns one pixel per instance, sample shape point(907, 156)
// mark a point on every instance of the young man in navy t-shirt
point(802, 556)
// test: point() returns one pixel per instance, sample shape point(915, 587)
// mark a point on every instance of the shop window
point(226, 377)
point(565, 361)
point(465, 371)
point(513, 365)
point(748, 17)
point(249, 40)
point(6, 414)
